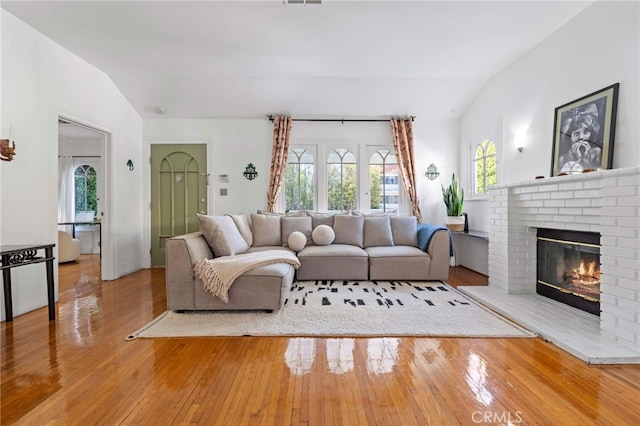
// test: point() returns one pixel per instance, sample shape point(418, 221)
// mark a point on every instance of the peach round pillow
point(297, 240)
point(323, 235)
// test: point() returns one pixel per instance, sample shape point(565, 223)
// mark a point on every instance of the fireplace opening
point(569, 268)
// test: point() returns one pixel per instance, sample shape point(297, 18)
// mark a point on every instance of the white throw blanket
point(218, 274)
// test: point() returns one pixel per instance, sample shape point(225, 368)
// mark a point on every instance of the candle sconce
point(7, 150)
point(250, 172)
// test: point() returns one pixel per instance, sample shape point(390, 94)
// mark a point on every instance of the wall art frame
point(584, 132)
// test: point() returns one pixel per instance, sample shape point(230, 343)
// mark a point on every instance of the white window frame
point(494, 133)
point(313, 150)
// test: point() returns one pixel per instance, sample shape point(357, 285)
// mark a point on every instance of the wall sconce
point(6, 151)
point(130, 164)
point(519, 142)
point(250, 172)
point(432, 172)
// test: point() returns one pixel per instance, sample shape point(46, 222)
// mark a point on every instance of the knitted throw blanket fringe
point(217, 275)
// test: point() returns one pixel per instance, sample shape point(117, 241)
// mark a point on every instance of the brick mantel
point(607, 202)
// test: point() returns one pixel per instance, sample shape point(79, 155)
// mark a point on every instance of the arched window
point(85, 187)
point(342, 188)
point(384, 181)
point(299, 180)
point(485, 166)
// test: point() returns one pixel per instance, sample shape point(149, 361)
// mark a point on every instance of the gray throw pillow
point(377, 231)
point(348, 229)
point(293, 224)
point(404, 230)
point(266, 230)
point(321, 219)
point(222, 235)
point(244, 226)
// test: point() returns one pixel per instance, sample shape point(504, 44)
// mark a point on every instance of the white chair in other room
point(68, 247)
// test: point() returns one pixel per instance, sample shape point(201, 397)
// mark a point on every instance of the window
point(85, 188)
point(299, 184)
point(341, 180)
point(485, 167)
point(383, 181)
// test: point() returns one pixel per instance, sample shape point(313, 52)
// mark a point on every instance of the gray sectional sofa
point(362, 247)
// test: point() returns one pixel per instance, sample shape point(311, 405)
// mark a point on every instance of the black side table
point(20, 255)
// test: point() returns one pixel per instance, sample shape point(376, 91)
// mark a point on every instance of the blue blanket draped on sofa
point(426, 231)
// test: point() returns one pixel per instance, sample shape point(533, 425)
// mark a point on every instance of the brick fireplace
point(605, 202)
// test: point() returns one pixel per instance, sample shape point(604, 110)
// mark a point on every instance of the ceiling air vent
point(303, 2)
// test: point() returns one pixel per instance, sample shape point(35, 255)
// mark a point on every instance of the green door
point(178, 192)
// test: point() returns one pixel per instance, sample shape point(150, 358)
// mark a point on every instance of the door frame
point(107, 245)
point(147, 186)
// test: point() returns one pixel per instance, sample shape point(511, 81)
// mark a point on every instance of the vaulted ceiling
point(222, 59)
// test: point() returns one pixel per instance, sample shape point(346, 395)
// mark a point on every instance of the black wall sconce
point(130, 164)
point(250, 172)
point(432, 172)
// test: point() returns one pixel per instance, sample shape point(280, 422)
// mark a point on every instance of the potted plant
point(453, 197)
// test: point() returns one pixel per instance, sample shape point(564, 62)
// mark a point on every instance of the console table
point(20, 255)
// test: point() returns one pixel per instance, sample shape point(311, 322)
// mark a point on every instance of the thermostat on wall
point(223, 178)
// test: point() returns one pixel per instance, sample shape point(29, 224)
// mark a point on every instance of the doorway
point(81, 192)
point(178, 193)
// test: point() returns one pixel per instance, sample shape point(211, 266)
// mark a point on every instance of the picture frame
point(584, 132)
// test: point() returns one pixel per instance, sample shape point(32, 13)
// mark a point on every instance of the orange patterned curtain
point(402, 131)
point(279, 152)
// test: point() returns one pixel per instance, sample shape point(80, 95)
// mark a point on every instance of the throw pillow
point(243, 225)
point(297, 240)
point(323, 235)
point(349, 229)
point(404, 230)
point(321, 219)
point(291, 224)
point(222, 235)
point(377, 231)
point(266, 230)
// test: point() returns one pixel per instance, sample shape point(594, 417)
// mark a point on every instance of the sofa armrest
point(440, 251)
point(182, 253)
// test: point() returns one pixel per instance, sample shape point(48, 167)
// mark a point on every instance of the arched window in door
point(85, 188)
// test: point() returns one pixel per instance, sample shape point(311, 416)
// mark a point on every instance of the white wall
point(40, 81)
point(233, 143)
point(597, 48)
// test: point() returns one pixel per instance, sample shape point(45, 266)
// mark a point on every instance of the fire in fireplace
point(569, 268)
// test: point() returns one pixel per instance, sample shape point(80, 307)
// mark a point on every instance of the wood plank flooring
point(80, 370)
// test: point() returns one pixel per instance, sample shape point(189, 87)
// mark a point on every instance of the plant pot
point(454, 223)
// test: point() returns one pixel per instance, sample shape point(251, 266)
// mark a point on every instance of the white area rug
point(348, 308)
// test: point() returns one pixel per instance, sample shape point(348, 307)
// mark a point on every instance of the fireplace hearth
point(568, 268)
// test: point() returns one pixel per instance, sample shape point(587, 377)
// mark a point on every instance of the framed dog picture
point(583, 133)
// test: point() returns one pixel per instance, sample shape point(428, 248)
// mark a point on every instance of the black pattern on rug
point(367, 293)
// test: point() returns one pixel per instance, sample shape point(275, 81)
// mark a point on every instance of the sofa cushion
point(377, 231)
point(244, 226)
point(349, 230)
point(297, 240)
point(323, 235)
point(293, 224)
point(266, 230)
point(404, 230)
point(321, 219)
point(222, 235)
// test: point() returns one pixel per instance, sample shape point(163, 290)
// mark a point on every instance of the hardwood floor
point(80, 370)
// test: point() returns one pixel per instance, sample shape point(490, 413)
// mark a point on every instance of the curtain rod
point(342, 120)
point(81, 156)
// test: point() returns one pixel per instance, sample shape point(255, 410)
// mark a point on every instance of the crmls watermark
point(496, 417)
